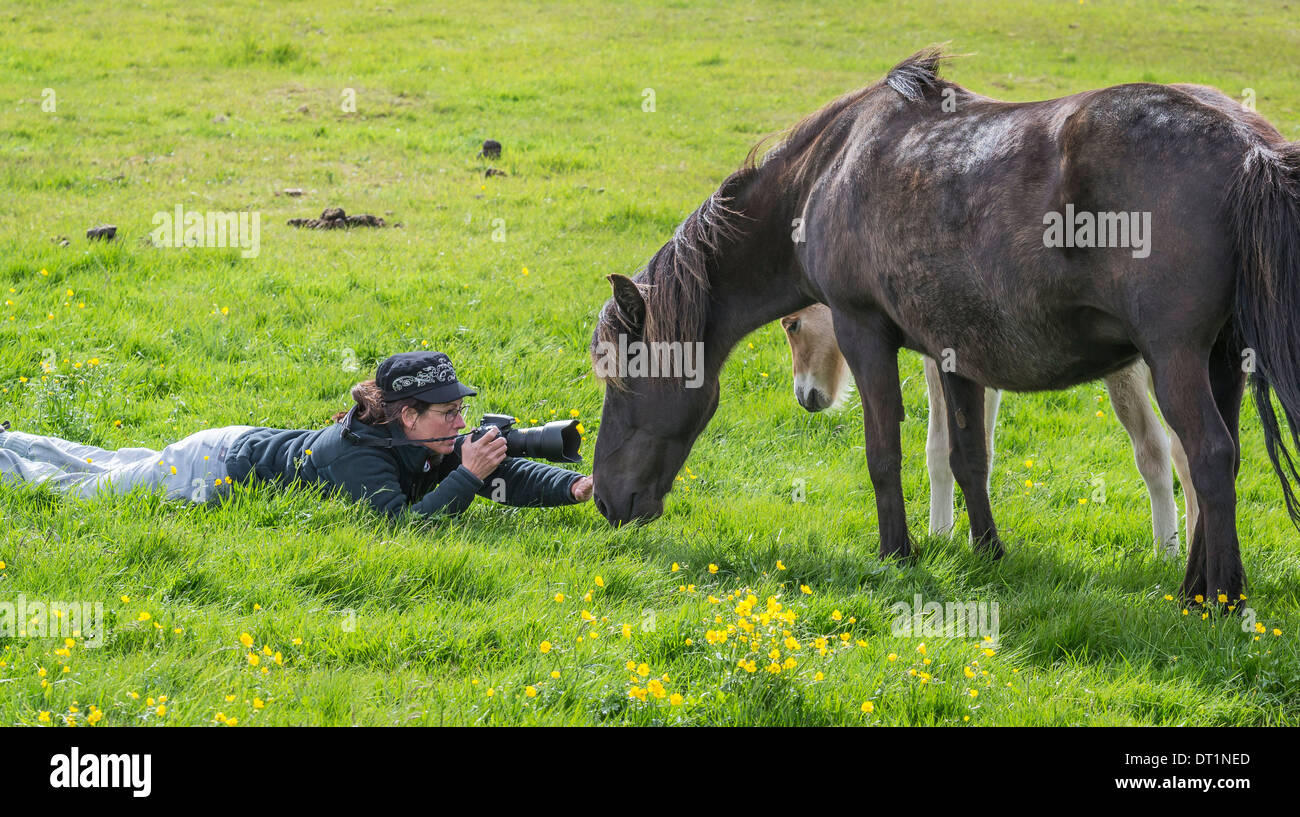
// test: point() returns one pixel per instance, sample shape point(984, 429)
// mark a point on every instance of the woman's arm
point(527, 484)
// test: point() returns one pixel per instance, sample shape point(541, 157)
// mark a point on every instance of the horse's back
point(948, 237)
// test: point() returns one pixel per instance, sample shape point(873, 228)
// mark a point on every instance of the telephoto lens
point(557, 441)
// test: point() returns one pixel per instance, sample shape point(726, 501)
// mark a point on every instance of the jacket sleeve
point(452, 495)
point(528, 484)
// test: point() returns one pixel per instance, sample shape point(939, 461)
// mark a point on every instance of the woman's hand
point(581, 489)
point(481, 458)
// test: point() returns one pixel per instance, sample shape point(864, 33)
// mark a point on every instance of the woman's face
point(434, 423)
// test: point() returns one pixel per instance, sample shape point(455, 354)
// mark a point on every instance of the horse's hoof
point(899, 552)
point(991, 547)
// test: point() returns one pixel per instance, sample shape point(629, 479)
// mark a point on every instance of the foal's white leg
point(992, 399)
point(1183, 470)
point(1128, 393)
point(937, 453)
point(1184, 479)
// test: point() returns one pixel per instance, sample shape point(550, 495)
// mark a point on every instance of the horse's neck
point(740, 304)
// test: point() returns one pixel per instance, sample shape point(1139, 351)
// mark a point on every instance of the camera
point(556, 441)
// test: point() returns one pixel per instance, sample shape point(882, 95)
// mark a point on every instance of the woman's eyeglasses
point(451, 415)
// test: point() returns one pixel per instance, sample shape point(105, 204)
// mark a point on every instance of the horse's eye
point(793, 327)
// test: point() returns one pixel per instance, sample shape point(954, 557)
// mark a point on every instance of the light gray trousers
point(193, 468)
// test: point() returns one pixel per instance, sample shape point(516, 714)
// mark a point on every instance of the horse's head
point(658, 398)
point(821, 375)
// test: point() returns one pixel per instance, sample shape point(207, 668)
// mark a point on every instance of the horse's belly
point(1052, 353)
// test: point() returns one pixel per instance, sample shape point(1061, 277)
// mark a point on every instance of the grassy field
point(220, 108)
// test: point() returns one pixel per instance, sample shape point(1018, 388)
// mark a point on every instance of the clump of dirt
point(104, 232)
point(335, 219)
point(492, 171)
point(491, 149)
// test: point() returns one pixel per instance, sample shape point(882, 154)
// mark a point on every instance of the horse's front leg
point(872, 355)
point(970, 459)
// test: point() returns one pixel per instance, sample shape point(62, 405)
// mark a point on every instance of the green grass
point(180, 104)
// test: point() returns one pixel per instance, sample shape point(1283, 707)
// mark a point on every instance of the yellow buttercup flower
point(868, 707)
point(545, 646)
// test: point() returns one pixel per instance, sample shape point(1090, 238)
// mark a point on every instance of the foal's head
point(821, 374)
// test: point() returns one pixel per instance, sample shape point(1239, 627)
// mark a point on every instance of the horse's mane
point(675, 282)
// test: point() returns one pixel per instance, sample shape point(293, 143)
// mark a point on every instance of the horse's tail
point(1264, 203)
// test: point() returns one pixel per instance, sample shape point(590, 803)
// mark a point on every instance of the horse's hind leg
point(1128, 394)
point(937, 452)
point(1202, 403)
point(970, 462)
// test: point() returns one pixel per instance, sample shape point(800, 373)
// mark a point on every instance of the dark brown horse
point(1028, 246)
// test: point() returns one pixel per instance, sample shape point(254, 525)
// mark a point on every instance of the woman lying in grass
point(395, 449)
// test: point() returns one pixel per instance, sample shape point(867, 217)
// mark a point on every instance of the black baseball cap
point(426, 376)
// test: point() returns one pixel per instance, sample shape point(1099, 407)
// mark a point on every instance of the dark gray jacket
point(391, 479)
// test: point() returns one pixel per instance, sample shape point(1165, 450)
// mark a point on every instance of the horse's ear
point(628, 299)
